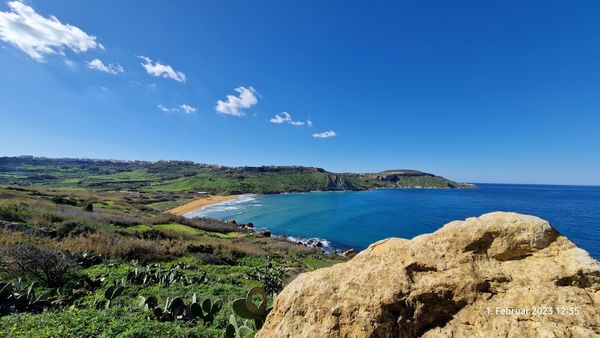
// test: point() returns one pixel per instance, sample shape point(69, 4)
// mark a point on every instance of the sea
point(355, 219)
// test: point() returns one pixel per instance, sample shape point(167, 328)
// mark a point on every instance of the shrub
point(14, 212)
point(10, 237)
point(112, 246)
point(272, 276)
point(64, 200)
point(71, 228)
point(211, 259)
point(37, 262)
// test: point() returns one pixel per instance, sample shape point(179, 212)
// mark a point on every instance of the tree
point(37, 262)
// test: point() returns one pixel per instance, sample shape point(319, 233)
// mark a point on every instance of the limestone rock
point(501, 274)
point(265, 233)
point(349, 253)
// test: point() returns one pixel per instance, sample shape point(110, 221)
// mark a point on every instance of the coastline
point(200, 203)
point(194, 206)
point(322, 244)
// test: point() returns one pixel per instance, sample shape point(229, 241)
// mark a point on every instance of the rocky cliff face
point(501, 274)
point(336, 182)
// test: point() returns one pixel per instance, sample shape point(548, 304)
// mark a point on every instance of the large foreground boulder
point(501, 274)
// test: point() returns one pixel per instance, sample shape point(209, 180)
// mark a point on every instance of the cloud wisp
point(286, 117)
point(235, 105)
point(325, 134)
point(98, 65)
point(182, 108)
point(187, 109)
point(279, 119)
point(160, 70)
point(39, 36)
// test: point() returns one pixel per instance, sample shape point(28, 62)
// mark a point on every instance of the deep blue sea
point(357, 219)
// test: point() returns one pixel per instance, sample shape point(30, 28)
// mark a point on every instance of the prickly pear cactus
point(248, 309)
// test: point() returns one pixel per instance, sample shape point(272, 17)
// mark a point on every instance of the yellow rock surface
point(500, 274)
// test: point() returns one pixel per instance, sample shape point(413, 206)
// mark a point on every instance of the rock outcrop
point(501, 274)
point(338, 182)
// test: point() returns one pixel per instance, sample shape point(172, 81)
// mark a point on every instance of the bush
point(37, 262)
point(89, 207)
point(271, 276)
point(64, 200)
point(70, 228)
point(111, 246)
point(14, 212)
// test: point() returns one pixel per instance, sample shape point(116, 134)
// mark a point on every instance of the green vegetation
point(176, 228)
point(86, 249)
point(248, 309)
point(176, 309)
point(235, 330)
point(123, 268)
point(170, 179)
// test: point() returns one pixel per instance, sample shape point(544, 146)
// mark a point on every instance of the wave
point(314, 242)
point(239, 206)
point(225, 206)
point(240, 200)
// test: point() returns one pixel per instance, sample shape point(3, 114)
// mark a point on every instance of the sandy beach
point(200, 203)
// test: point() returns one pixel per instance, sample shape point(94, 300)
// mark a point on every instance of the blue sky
point(504, 91)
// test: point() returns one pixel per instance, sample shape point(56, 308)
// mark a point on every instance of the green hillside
point(185, 176)
point(63, 251)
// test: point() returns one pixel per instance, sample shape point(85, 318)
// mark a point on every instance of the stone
point(349, 253)
point(500, 274)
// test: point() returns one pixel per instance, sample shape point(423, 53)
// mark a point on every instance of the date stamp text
point(534, 311)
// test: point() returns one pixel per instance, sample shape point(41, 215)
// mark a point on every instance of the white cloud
point(160, 70)
point(183, 108)
point(69, 62)
point(235, 104)
point(284, 117)
point(39, 36)
point(187, 109)
point(97, 64)
point(325, 134)
point(309, 123)
point(165, 109)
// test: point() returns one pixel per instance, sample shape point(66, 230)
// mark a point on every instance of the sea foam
point(227, 206)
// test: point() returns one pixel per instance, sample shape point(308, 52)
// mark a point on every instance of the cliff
point(501, 274)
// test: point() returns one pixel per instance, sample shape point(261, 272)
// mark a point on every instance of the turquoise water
point(357, 219)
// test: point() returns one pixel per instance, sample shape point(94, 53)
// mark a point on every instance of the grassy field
point(106, 239)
